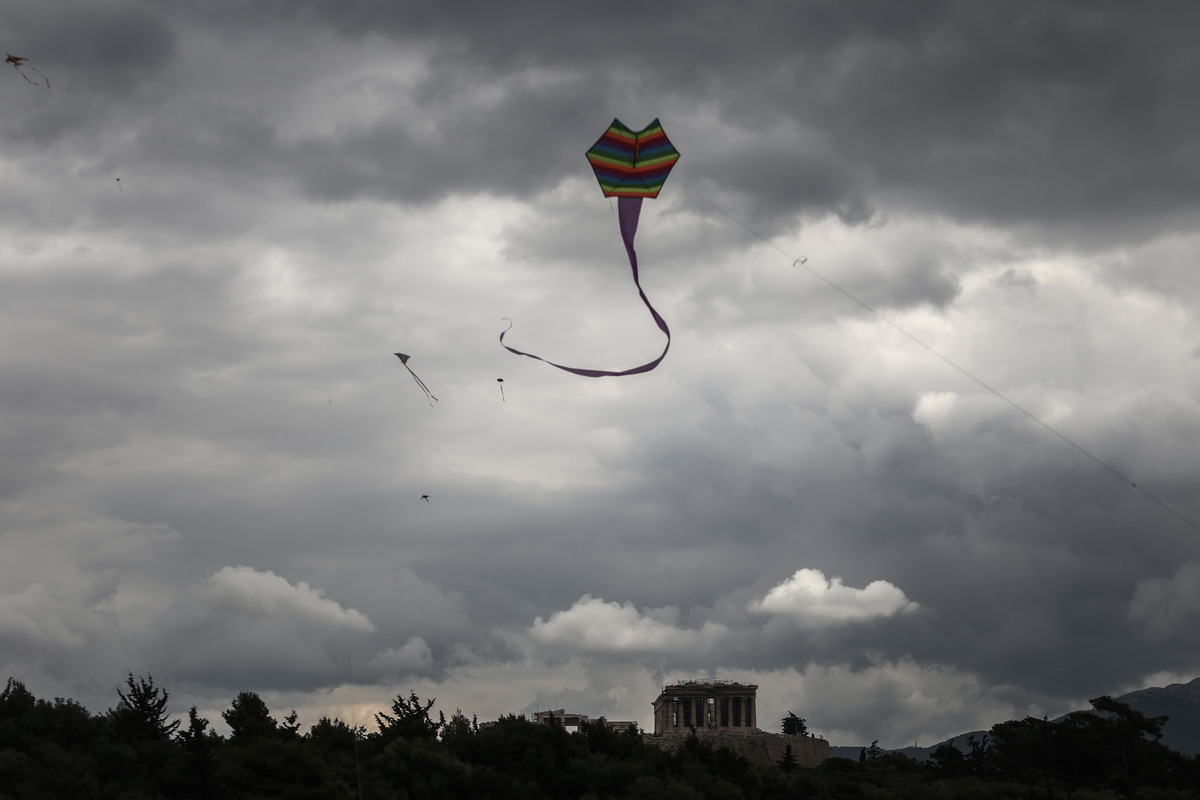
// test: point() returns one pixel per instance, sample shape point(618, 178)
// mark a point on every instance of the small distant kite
point(501, 382)
point(630, 165)
point(425, 497)
point(18, 62)
point(119, 184)
point(404, 360)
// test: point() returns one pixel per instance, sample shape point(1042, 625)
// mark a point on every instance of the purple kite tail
point(629, 208)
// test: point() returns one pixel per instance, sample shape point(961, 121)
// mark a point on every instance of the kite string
point(333, 448)
point(802, 262)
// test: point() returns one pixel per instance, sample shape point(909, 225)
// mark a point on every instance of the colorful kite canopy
point(630, 165)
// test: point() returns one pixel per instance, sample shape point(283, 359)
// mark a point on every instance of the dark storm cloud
point(1038, 115)
point(1066, 113)
point(99, 58)
point(108, 48)
point(1052, 115)
point(401, 159)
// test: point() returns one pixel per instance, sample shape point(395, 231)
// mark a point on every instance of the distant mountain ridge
point(1179, 702)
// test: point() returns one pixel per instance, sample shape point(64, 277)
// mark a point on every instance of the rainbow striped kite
point(630, 166)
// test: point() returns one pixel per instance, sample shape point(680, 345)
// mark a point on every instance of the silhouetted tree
point(788, 763)
point(249, 719)
point(337, 744)
point(141, 715)
point(16, 701)
point(979, 756)
point(794, 726)
point(198, 745)
point(950, 761)
point(59, 749)
point(1131, 735)
point(625, 743)
point(290, 726)
point(458, 734)
point(333, 734)
point(1030, 750)
point(409, 720)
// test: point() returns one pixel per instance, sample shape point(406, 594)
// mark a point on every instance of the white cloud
point(241, 627)
point(933, 409)
point(811, 598)
point(593, 626)
point(243, 592)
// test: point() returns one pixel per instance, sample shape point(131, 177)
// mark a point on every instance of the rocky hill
point(1179, 702)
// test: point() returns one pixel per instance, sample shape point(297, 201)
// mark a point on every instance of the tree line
point(136, 751)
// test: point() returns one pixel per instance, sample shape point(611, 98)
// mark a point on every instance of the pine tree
point(198, 755)
point(411, 720)
point(249, 718)
point(794, 726)
point(141, 715)
point(788, 763)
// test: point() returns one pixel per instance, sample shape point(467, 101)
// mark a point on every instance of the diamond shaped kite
point(630, 165)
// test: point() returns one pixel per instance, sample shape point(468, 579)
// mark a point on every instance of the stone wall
point(759, 747)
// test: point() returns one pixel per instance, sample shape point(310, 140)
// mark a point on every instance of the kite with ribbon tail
point(630, 165)
point(20, 61)
point(404, 360)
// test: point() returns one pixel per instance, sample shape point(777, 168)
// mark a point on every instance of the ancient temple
point(706, 705)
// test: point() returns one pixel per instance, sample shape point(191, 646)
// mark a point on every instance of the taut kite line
point(630, 165)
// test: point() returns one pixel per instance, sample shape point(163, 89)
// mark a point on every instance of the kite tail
point(629, 208)
point(421, 383)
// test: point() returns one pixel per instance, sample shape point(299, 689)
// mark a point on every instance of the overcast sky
point(221, 219)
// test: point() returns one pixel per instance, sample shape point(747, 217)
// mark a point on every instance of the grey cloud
point(67, 586)
point(243, 626)
point(968, 111)
point(111, 48)
point(1167, 608)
